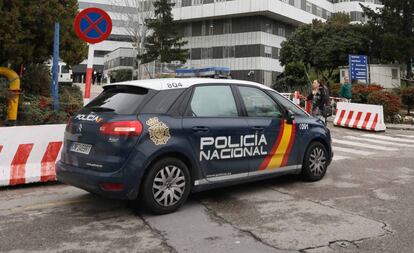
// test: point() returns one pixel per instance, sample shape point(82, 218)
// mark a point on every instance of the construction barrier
point(28, 154)
point(360, 116)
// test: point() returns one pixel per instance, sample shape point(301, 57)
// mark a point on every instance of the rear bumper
point(90, 181)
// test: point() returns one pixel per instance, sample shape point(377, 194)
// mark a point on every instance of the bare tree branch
point(133, 18)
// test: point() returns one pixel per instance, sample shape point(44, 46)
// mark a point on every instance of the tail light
point(121, 128)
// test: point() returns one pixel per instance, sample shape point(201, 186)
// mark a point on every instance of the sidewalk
point(95, 89)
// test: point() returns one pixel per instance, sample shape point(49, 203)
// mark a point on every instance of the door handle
point(257, 128)
point(200, 129)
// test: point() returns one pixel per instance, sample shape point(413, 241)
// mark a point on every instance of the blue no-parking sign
point(93, 25)
point(358, 68)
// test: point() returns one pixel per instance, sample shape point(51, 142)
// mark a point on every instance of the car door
point(215, 132)
point(266, 121)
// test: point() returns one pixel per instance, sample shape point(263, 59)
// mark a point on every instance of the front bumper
point(90, 180)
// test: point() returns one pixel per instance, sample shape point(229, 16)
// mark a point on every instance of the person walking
point(99, 78)
point(320, 99)
point(346, 90)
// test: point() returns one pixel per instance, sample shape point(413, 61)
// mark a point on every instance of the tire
point(315, 162)
point(166, 186)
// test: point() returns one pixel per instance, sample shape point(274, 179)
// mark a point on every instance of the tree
point(26, 33)
point(391, 30)
point(324, 46)
point(135, 23)
point(164, 43)
point(407, 97)
point(293, 78)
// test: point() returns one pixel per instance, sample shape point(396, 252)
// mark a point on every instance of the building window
point(281, 31)
point(185, 3)
point(267, 78)
point(206, 53)
point(268, 52)
point(196, 53)
point(319, 11)
point(188, 30)
point(228, 52)
point(211, 27)
point(197, 2)
point(227, 26)
point(268, 27)
point(394, 74)
point(309, 7)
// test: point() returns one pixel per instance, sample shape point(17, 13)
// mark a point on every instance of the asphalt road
point(364, 204)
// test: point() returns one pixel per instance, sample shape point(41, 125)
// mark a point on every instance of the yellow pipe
point(14, 89)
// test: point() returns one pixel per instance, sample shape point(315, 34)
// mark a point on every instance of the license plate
point(81, 148)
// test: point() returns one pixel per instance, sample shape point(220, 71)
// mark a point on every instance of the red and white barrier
point(28, 154)
point(360, 116)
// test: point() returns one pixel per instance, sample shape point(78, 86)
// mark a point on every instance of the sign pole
point(55, 69)
point(89, 72)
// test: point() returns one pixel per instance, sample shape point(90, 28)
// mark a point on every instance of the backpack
point(327, 109)
point(325, 95)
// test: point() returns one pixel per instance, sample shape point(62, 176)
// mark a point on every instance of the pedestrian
point(346, 90)
point(99, 78)
point(94, 77)
point(320, 100)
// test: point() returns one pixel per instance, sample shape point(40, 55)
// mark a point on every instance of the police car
point(155, 141)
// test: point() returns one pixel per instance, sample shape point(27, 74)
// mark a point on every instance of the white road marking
point(406, 136)
point(385, 143)
point(351, 151)
point(383, 137)
point(363, 145)
point(339, 158)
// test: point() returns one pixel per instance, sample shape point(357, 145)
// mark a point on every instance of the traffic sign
point(93, 25)
point(358, 68)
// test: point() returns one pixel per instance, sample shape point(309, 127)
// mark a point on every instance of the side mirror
point(290, 117)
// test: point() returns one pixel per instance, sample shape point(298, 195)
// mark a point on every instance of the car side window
point(287, 104)
point(258, 103)
point(213, 101)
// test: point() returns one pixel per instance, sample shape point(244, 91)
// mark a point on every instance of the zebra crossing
point(348, 147)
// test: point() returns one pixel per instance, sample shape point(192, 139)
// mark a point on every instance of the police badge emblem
point(159, 131)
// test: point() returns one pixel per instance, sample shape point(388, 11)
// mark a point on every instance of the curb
point(400, 127)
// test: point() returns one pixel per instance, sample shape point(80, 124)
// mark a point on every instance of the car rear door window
point(258, 103)
point(162, 101)
point(119, 100)
point(213, 101)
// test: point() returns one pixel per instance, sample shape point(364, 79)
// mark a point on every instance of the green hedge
point(389, 101)
point(38, 110)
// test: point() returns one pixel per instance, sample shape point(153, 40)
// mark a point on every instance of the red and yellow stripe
point(279, 155)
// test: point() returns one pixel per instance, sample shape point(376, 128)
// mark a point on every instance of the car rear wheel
point(315, 162)
point(166, 186)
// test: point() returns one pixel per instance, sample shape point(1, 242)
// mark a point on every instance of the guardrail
point(303, 102)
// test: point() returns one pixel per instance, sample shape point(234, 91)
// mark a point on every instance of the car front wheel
point(315, 162)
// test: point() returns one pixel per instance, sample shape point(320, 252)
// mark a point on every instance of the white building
point(244, 35)
point(386, 75)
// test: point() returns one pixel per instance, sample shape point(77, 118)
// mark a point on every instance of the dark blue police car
point(158, 140)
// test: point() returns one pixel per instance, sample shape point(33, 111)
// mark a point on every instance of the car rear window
point(119, 100)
